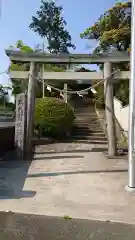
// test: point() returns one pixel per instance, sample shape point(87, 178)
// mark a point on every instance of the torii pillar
point(31, 106)
point(109, 110)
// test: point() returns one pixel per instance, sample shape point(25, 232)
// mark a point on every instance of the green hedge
point(53, 117)
point(99, 96)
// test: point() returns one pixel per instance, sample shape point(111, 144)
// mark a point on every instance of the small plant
point(66, 217)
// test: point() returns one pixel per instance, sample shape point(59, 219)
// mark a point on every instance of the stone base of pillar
point(130, 189)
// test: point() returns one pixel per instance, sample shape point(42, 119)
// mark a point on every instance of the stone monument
point(21, 124)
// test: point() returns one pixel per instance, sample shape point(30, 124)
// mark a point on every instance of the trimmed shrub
point(53, 117)
point(99, 97)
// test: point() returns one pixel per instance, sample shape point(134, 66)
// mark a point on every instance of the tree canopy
point(50, 25)
point(112, 31)
point(19, 86)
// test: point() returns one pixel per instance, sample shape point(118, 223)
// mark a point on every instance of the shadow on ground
point(32, 227)
point(52, 174)
point(57, 157)
point(13, 174)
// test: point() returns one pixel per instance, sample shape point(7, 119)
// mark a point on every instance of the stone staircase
point(87, 127)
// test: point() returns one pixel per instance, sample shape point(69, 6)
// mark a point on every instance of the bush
point(53, 117)
point(121, 91)
point(99, 97)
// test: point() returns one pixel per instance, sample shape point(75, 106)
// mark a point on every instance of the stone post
point(20, 125)
point(31, 106)
point(65, 93)
point(109, 110)
point(43, 83)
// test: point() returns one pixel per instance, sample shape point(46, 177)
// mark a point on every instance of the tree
point(113, 29)
point(112, 32)
point(19, 86)
point(50, 25)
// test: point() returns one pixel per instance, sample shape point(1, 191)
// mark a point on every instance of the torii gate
point(36, 58)
point(39, 58)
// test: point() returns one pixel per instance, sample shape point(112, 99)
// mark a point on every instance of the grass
point(66, 217)
point(123, 143)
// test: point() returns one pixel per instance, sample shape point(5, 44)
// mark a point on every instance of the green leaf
point(50, 25)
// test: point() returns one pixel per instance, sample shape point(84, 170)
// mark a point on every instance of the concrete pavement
point(31, 227)
point(74, 180)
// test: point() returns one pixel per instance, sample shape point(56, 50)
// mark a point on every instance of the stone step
point(95, 126)
point(98, 133)
point(89, 137)
point(88, 132)
point(90, 141)
point(84, 110)
point(85, 113)
point(89, 114)
point(97, 130)
point(87, 123)
point(90, 126)
point(87, 120)
point(85, 128)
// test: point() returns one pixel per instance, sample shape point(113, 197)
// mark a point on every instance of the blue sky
point(16, 17)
